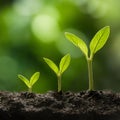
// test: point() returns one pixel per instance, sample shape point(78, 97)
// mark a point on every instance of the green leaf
point(51, 64)
point(25, 80)
point(99, 40)
point(77, 42)
point(34, 78)
point(64, 63)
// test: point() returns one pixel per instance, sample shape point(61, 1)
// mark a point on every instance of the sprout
point(64, 63)
point(96, 44)
point(31, 82)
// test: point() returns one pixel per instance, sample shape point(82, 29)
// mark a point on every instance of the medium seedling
point(96, 44)
point(31, 82)
point(63, 65)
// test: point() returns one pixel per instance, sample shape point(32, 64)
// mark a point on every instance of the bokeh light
point(45, 28)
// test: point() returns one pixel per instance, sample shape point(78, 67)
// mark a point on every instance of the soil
point(84, 105)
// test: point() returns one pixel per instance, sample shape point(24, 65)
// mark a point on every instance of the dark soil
point(85, 105)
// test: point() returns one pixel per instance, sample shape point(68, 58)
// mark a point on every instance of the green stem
point(90, 74)
point(59, 82)
point(30, 89)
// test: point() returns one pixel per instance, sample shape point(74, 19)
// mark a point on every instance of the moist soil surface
point(84, 105)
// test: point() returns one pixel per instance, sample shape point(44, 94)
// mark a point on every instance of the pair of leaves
point(63, 65)
point(32, 80)
point(96, 43)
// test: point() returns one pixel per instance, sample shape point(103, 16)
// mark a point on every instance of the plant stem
point(59, 82)
point(90, 74)
point(30, 89)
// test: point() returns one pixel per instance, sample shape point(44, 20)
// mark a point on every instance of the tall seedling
point(63, 65)
point(96, 44)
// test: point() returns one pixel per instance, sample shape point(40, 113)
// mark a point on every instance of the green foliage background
point(33, 29)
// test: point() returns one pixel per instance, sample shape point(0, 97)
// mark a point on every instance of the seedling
point(31, 82)
point(63, 65)
point(96, 44)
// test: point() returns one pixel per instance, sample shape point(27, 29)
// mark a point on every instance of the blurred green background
point(33, 29)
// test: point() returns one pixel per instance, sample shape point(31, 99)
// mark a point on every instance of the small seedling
point(96, 44)
point(30, 82)
point(63, 65)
